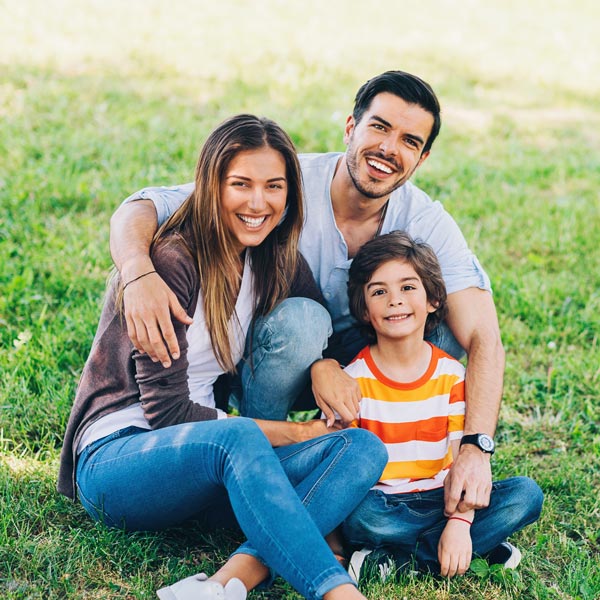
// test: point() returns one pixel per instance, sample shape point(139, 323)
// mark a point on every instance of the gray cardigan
point(116, 376)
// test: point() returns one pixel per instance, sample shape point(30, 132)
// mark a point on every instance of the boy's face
point(396, 301)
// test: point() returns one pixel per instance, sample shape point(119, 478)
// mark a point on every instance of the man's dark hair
point(410, 88)
point(396, 245)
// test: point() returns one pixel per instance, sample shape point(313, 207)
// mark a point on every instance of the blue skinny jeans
point(285, 500)
point(274, 376)
point(408, 526)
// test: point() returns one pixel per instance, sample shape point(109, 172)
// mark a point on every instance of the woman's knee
point(366, 453)
point(371, 449)
point(299, 321)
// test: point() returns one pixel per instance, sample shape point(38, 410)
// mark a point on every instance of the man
point(350, 198)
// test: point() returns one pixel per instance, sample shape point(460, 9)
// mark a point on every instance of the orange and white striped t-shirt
point(416, 420)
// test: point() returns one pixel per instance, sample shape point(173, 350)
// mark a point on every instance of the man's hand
point(455, 549)
point(149, 304)
point(335, 391)
point(469, 482)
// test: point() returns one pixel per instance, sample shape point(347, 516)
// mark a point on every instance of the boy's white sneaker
point(505, 554)
point(198, 587)
point(378, 564)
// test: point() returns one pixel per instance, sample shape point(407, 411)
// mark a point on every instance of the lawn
point(98, 99)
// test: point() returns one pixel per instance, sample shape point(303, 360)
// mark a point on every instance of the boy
point(413, 399)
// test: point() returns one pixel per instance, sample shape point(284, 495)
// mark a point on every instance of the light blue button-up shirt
point(325, 249)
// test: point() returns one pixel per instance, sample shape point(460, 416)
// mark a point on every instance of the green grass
point(99, 99)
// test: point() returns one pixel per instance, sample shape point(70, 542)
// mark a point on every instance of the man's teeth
point(252, 221)
point(380, 166)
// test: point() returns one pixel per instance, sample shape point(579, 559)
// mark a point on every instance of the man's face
point(386, 146)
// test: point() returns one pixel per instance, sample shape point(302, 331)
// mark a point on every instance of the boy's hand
point(455, 548)
point(335, 391)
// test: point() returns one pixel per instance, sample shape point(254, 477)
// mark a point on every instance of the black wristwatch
point(482, 440)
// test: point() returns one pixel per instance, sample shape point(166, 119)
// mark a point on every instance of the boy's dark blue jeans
point(409, 526)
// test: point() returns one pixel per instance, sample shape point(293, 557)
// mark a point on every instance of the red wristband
point(460, 519)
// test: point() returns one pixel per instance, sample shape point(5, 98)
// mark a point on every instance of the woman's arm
point(284, 433)
point(164, 392)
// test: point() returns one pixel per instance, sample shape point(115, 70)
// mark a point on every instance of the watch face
point(486, 443)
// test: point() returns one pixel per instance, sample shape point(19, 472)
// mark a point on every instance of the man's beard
point(378, 191)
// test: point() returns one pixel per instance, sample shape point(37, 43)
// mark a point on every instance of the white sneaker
point(382, 565)
point(505, 554)
point(356, 562)
point(198, 587)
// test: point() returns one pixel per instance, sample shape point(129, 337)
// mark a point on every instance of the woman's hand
point(336, 393)
point(455, 548)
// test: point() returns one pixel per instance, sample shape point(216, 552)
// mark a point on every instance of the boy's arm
point(148, 301)
point(473, 321)
point(455, 547)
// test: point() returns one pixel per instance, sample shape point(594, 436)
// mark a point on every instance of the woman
point(145, 447)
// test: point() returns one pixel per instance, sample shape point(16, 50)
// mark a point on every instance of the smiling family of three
point(278, 281)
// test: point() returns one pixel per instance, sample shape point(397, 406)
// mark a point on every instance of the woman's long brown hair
point(200, 222)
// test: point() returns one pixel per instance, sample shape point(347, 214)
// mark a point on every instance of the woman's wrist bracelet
point(460, 519)
point(138, 277)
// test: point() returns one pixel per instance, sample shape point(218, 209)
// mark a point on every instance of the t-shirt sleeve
point(432, 224)
point(166, 199)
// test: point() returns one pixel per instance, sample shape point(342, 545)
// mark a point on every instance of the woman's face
point(253, 195)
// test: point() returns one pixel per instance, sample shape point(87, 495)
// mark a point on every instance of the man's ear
point(423, 158)
point(349, 128)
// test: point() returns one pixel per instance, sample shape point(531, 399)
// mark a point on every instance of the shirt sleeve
point(164, 393)
point(166, 199)
point(429, 222)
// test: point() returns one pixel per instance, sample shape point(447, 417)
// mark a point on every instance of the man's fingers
point(165, 326)
point(131, 332)
point(178, 312)
point(159, 350)
point(452, 495)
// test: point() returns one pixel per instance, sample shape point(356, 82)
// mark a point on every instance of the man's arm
point(148, 301)
point(473, 321)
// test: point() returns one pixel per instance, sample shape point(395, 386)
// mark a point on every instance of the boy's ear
point(431, 308)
